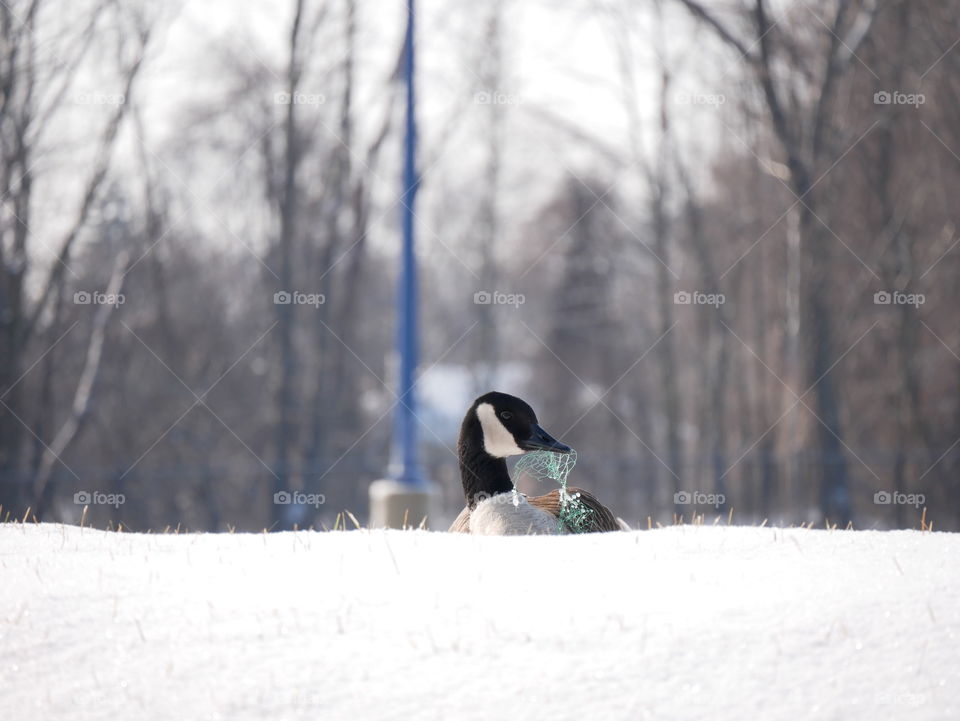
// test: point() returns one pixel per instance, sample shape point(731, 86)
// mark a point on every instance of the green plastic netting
point(538, 465)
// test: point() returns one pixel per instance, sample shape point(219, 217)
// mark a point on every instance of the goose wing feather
point(462, 524)
point(601, 520)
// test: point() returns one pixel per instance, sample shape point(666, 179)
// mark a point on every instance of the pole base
point(400, 505)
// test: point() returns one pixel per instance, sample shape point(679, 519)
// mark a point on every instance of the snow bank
point(679, 623)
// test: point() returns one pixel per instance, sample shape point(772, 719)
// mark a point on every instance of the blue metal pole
point(405, 463)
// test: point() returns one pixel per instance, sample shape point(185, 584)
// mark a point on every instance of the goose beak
point(540, 440)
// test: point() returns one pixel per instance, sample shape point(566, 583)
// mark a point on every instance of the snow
point(678, 623)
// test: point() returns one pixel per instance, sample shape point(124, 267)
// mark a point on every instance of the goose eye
point(506, 415)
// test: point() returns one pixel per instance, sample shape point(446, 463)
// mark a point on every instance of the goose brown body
point(599, 520)
point(498, 425)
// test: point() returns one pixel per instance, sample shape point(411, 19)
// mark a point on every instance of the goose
point(496, 426)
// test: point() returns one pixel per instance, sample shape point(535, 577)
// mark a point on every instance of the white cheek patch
point(497, 440)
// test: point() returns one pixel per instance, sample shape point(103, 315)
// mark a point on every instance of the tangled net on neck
point(574, 513)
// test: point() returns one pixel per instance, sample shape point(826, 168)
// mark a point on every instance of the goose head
point(496, 426)
point(508, 427)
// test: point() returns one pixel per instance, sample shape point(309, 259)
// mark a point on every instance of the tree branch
point(698, 11)
point(83, 396)
point(104, 153)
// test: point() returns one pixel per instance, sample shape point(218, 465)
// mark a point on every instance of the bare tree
point(83, 396)
point(805, 137)
point(32, 96)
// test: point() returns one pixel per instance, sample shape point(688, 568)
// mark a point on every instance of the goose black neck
point(482, 475)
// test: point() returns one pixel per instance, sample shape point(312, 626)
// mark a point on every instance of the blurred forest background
point(718, 237)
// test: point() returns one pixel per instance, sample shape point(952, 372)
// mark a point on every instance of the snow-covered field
point(678, 623)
